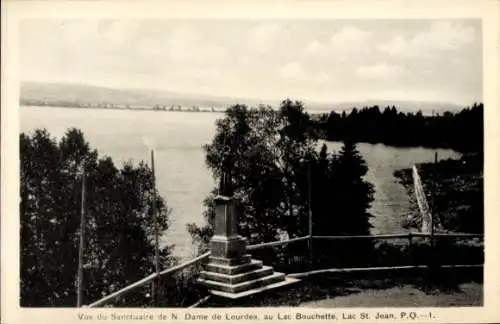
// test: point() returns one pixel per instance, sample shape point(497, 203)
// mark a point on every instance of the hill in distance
point(140, 98)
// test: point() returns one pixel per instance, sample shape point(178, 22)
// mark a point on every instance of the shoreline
point(120, 108)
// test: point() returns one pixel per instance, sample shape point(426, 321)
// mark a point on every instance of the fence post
point(156, 282)
point(433, 210)
point(411, 259)
point(310, 242)
point(310, 250)
point(81, 248)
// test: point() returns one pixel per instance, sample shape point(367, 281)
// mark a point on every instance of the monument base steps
point(240, 279)
point(235, 279)
point(232, 270)
point(247, 293)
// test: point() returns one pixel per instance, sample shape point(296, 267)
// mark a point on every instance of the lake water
point(182, 177)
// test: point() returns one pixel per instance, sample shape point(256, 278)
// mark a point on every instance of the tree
point(341, 205)
point(354, 195)
point(118, 219)
point(274, 165)
point(297, 152)
point(268, 147)
point(248, 138)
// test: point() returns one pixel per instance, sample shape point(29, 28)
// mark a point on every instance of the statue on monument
point(226, 183)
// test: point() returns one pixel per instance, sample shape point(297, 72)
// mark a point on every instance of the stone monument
point(231, 272)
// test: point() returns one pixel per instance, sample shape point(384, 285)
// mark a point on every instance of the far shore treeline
point(461, 131)
point(278, 176)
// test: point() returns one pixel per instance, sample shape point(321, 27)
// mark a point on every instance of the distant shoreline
point(124, 108)
point(186, 110)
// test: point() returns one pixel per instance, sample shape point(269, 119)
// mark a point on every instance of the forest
point(461, 131)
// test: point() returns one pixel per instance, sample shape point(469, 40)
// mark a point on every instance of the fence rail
point(200, 258)
point(349, 237)
point(458, 235)
point(428, 221)
point(399, 236)
point(344, 270)
point(148, 279)
point(277, 243)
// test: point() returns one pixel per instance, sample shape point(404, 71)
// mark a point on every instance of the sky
point(315, 60)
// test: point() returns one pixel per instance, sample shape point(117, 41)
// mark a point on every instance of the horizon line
point(236, 98)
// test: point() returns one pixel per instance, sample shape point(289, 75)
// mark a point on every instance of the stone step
point(231, 270)
point(237, 278)
point(225, 295)
point(243, 286)
point(231, 261)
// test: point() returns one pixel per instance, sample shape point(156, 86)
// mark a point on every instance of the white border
point(14, 11)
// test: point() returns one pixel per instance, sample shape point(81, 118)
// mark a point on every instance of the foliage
point(182, 289)
point(342, 200)
point(278, 174)
point(265, 148)
point(462, 131)
point(446, 251)
point(455, 192)
point(119, 246)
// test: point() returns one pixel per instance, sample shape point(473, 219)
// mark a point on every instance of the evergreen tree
point(342, 207)
point(322, 191)
point(353, 194)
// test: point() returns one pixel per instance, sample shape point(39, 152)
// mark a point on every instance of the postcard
point(301, 161)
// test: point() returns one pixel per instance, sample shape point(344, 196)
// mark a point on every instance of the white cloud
point(342, 44)
point(294, 71)
point(397, 46)
point(314, 47)
point(380, 71)
point(187, 45)
point(179, 45)
point(350, 39)
point(441, 36)
point(445, 36)
point(197, 53)
point(320, 78)
point(262, 37)
point(116, 34)
point(245, 60)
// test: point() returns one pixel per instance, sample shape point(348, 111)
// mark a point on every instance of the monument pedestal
point(231, 272)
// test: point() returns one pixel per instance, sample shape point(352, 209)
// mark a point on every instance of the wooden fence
point(147, 280)
point(310, 238)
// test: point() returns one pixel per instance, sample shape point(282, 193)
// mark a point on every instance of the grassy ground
point(415, 288)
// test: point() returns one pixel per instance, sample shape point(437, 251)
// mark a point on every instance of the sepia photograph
point(343, 145)
point(205, 163)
